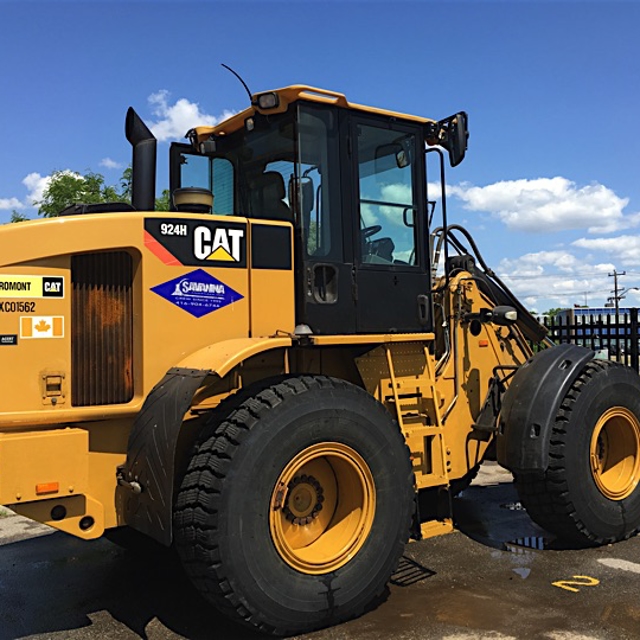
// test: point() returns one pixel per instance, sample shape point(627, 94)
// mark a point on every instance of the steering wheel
point(367, 232)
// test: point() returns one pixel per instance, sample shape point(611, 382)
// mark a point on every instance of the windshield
point(250, 170)
point(281, 168)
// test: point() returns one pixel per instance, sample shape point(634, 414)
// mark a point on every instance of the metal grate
point(101, 328)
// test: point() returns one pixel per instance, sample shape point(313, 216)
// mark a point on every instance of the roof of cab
point(294, 93)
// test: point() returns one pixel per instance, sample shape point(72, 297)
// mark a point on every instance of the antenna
point(244, 84)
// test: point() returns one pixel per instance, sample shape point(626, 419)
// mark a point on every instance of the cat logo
point(14, 286)
point(220, 244)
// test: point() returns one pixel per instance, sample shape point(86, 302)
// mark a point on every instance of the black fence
point(610, 336)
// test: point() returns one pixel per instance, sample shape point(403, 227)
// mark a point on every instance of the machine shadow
point(56, 583)
point(492, 515)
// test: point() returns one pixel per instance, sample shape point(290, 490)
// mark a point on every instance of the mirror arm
point(431, 136)
point(452, 134)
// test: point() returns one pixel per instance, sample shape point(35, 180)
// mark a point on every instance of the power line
point(573, 274)
point(559, 294)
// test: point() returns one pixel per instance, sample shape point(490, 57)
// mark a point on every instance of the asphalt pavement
point(499, 577)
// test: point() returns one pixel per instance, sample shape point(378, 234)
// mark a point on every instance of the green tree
point(16, 216)
point(163, 203)
point(125, 184)
point(66, 188)
point(552, 313)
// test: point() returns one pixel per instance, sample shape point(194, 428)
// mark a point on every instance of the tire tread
point(547, 499)
point(196, 509)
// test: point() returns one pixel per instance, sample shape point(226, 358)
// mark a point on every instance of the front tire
point(590, 493)
point(294, 514)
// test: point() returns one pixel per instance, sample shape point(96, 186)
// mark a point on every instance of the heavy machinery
point(276, 378)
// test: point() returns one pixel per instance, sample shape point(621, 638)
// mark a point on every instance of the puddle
point(513, 506)
point(523, 572)
point(495, 517)
point(526, 543)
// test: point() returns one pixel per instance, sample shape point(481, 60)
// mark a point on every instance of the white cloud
point(556, 278)
point(177, 118)
point(545, 205)
point(36, 185)
point(10, 203)
point(369, 218)
point(625, 249)
point(397, 193)
point(108, 163)
point(534, 263)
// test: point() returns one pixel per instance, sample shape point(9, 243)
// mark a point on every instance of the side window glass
point(215, 174)
point(315, 190)
point(268, 193)
point(386, 196)
point(315, 216)
point(222, 186)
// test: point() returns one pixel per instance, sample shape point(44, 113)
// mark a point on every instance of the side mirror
point(403, 159)
point(453, 135)
point(394, 155)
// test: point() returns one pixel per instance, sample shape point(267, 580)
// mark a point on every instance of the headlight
point(268, 100)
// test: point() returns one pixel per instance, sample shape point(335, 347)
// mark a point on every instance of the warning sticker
point(42, 326)
point(31, 286)
point(198, 293)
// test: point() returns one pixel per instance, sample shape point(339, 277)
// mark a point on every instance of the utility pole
point(616, 297)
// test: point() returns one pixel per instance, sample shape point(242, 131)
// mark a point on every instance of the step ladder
point(417, 409)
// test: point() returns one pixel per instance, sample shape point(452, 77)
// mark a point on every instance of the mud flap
point(530, 405)
point(146, 479)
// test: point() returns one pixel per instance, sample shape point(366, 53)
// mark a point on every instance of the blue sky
point(550, 187)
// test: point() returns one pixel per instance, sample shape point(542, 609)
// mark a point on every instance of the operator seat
point(379, 251)
point(267, 197)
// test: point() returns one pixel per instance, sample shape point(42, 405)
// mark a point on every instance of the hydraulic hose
point(490, 284)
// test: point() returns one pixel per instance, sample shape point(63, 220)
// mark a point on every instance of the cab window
point(387, 196)
point(315, 189)
point(215, 174)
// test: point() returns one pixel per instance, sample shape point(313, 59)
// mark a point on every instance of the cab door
point(391, 273)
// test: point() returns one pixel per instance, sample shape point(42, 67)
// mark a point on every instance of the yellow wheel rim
point(322, 508)
point(615, 453)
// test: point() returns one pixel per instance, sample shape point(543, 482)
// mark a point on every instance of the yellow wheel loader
point(294, 371)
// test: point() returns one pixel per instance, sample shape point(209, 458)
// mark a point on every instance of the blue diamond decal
point(198, 293)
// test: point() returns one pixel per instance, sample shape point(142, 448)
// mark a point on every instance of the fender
point(147, 478)
point(531, 403)
point(221, 357)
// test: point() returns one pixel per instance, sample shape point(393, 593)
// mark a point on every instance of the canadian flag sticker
point(42, 326)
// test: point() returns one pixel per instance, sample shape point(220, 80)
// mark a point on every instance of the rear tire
point(590, 493)
point(295, 513)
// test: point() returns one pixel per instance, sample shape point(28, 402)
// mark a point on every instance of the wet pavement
point(500, 577)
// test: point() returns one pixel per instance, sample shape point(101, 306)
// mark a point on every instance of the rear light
point(47, 487)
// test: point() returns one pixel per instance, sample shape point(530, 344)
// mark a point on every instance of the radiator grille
point(101, 328)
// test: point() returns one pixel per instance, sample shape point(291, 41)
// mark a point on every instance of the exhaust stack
point(143, 179)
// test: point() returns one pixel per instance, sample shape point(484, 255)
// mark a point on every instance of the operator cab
point(351, 180)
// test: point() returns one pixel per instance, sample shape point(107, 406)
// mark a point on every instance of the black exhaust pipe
point(143, 179)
